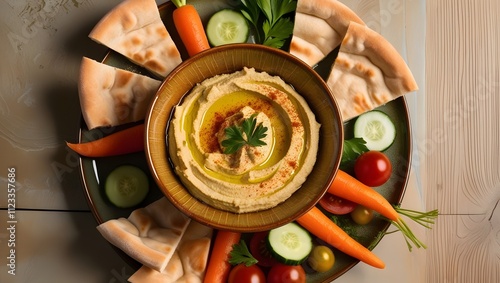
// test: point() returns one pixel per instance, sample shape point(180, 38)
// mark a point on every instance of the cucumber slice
point(290, 244)
point(227, 26)
point(376, 128)
point(126, 186)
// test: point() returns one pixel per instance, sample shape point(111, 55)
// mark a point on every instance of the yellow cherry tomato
point(321, 258)
point(362, 215)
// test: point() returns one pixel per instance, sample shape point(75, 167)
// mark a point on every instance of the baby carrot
point(346, 186)
point(218, 266)
point(188, 24)
point(125, 141)
point(322, 227)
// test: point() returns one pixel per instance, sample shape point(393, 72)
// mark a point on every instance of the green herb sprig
point(352, 149)
point(241, 254)
point(269, 21)
point(253, 135)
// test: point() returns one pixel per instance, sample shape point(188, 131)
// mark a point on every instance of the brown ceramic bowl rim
point(159, 164)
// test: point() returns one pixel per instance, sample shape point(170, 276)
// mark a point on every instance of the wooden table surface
point(450, 45)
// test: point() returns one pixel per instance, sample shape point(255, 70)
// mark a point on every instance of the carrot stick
point(322, 227)
point(218, 266)
point(188, 24)
point(125, 141)
point(346, 186)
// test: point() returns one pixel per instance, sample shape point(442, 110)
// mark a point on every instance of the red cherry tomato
point(373, 168)
point(336, 205)
point(246, 274)
point(281, 273)
point(258, 248)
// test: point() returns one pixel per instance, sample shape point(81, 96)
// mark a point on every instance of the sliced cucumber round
point(290, 244)
point(126, 186)
point(227, 26)
point(376, 128)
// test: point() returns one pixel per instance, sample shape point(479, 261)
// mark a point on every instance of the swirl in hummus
point(254, 177)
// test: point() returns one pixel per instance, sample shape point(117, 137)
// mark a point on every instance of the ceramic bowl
point(228, 59)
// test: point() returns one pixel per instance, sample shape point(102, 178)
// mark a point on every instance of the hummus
point(254, 177)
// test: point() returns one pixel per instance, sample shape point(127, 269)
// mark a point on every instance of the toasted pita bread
point(134, 29)
point(319, 28)
point(149, 235)
point(111, 96)
point(188, 263)
point(368, 72)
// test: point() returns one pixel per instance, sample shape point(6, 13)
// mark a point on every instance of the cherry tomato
point(373, 168)
point(281, 273)
point(321, 258)
point(362, 215)
point(336, 205)
point(258, 248)
point(246, 274)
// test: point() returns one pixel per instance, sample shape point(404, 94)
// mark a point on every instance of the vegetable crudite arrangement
point(359, 205)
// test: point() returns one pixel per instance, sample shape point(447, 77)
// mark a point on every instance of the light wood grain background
point(462, 148)
point(455, 118)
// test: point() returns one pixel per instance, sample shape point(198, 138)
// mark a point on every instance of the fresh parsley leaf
point(353, 148)
point(265, 6)
point(283, 7)
point(278, 33)
point(234, 139)
point(269, 21)
point(251, 11)
point(253, 133)
point(241, 254)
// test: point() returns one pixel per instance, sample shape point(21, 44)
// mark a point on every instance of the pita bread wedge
point(368, 72)
point(134, 29)
point(188, 263)
point(149, 235)
point(319, 28)
point(111, 96)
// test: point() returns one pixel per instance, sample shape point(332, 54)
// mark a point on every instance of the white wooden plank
point(463, 126)
point(463, 85)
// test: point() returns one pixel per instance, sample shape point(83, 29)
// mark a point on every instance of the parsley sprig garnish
point(241, 254)
point(353, 148)
point(249, 133)
point(269, 21)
